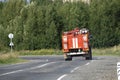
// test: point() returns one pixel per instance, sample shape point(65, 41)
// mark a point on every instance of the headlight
point(85, 31)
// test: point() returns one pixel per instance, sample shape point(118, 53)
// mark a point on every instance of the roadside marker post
point(118, 70)
point(11, 43)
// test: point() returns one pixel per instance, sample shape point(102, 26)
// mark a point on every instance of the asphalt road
point(55, 68)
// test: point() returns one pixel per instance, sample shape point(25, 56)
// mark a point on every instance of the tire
point(89, 56)
point(68, 58)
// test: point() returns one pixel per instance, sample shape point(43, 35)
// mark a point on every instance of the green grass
point(113, 51)
point(41, 52)
point(10, 58)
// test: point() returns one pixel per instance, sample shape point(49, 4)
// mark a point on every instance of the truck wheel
point(89, 56)
point(68, 58)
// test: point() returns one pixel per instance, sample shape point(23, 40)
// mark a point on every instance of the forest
point(40, 23)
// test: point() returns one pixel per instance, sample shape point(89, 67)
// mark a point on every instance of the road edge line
point(61, 77)
point(16, 71)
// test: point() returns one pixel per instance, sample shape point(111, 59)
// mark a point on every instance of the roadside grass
point(112, 51)
point(10, 58)
point(41, 52)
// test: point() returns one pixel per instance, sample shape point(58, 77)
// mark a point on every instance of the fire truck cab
point(76, 43)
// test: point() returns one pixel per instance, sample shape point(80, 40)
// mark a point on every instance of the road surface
point(55, 68)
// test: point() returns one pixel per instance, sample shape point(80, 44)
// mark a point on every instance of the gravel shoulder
point(100, 68)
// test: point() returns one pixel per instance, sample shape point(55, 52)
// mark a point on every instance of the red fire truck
point(76, 43)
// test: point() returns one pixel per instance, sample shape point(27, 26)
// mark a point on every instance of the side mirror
point(90, 36)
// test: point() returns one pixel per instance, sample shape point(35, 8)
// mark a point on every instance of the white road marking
point(78, 67)
point(61, 77)
point(12, 72)
point(87, 63)
point(40, 60)
point(118, 70)
point(74, 69)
